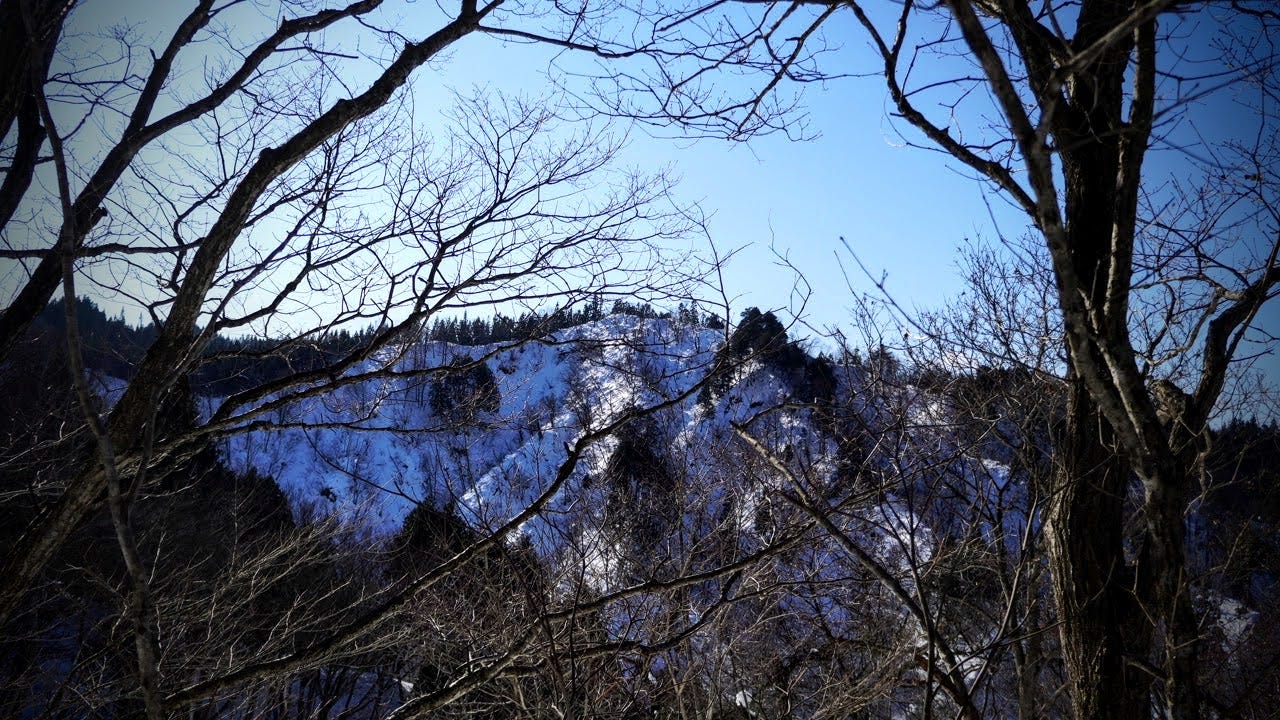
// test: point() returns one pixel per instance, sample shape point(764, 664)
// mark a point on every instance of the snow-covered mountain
point(714, 509)
point(377, 448)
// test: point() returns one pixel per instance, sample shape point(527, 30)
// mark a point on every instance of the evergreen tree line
point(114, 347)
point(761, 336)
point(500, 328)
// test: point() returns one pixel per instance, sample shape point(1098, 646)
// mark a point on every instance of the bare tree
point(263, 228)
point(1055, 108)
point(292, 191)
point(932, 519)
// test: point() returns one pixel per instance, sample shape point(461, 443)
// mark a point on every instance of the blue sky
point(903, 210)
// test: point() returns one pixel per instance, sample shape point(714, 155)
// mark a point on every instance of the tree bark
point(1091, 582)
point(25, 52)
point(1103, 624)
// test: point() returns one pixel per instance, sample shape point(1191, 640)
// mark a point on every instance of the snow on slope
point(376, 448)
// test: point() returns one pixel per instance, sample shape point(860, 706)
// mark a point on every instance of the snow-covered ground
point(376, 448)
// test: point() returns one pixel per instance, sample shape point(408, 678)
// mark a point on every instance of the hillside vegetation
point(785, 535)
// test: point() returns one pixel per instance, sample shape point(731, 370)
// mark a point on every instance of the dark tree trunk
point(1162, 575)
point(1104, 624)
point(1091, 582)
point(1080, 109)
point(25, 54)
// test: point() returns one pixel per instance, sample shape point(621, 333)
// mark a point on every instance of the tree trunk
point(1162, 575)
point(1101, 626)
point(1091, 583)
point(25, 54)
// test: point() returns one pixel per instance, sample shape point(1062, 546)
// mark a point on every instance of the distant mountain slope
point(378, 447)
point(846, 523)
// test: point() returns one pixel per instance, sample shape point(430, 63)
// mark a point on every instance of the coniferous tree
point(461, 394)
